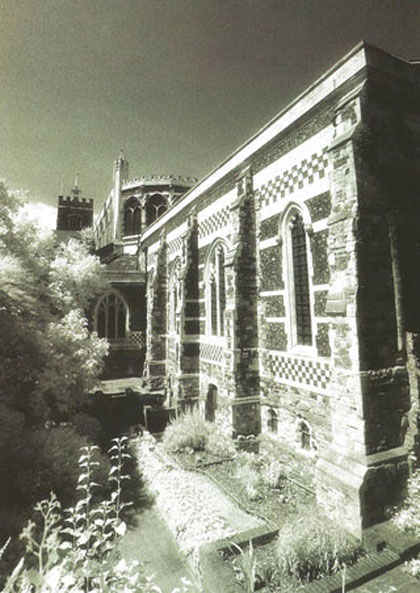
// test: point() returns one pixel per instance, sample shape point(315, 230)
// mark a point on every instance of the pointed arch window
point(111, 317)
point(298, 279)
point(272, 421)
point(216, 298)
point(155, 207)
point(132, 217)
point(174, 295)
point(305, 436)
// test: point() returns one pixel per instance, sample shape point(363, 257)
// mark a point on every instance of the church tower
point(74, 213)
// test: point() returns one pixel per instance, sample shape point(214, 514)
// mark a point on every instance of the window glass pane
point(301, 283)
point(128, 222)
point(305, 436)
point(272, 421)
point(101, 323)
point(111, 321)
point(213, 306)
point(222, 290)
point(121, 321)
point(137, 221)
point(155, 207)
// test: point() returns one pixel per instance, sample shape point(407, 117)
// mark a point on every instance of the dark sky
point(178, 84)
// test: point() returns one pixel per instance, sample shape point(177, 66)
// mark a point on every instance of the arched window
point(216, 298)
point(174, 294)
point(111, 317)
point(272, 420)
point(74, 222)
point(298, 278)
point(305, 437)
point(132, 217)
point(155, 207)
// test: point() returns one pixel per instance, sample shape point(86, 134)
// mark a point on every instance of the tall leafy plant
point(76, 550)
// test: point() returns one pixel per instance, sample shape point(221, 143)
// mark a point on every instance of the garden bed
point(326, 558)
point(276, 503)
point(272, 490)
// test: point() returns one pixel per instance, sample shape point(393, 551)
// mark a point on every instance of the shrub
point(312, 546)
point(191, 432)
point(272, 472)
point(248, 474)
point(188, 431)
point(87, 425)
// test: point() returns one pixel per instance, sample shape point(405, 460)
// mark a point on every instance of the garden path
point(194, 508)
point(151, 543)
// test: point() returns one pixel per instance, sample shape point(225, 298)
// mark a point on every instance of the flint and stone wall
point(346, 160)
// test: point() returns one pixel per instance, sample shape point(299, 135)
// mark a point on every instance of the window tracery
point(111, 317)
point(216, 298)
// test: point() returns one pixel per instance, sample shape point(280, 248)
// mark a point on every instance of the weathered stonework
point(298, 281)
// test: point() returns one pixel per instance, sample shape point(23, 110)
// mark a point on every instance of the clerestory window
point(155, 207)
point(132, 217)
point(111, 317)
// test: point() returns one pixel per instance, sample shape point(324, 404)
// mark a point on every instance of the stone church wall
point(314, 224)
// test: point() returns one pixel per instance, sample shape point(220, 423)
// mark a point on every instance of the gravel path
point(152, 544)
point(194, 508)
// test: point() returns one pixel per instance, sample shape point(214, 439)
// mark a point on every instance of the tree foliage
point(49, 361)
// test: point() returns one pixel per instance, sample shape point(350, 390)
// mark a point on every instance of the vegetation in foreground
point(312, 546)
point(75, 550)
point(49, 362)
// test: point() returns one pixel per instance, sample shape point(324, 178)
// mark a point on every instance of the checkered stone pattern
point(138, 338)
point(311, 374)
point(212, 353)
point(214, 222)
point(175, 245)
point(294, 179)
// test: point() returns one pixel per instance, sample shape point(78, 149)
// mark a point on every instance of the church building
point(281, 291)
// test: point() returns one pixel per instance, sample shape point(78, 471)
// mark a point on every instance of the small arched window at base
point(272, 421)
point(305, 435)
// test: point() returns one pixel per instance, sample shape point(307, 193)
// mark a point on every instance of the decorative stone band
point(306, 172)
point(313, 374)
point(214, 222)
point(138, 338)
point(175, 245)
point(211, 353)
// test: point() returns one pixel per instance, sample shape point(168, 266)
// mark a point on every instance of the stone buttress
point(242, 358)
